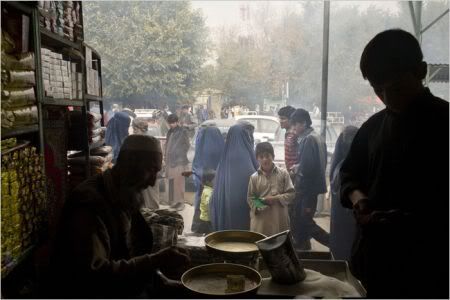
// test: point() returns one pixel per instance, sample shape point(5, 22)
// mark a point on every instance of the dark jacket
point(310, 174)
point(101, 250)
point(401, 161)
point(177, 147)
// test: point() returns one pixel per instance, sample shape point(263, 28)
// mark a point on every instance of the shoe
point(178, 206)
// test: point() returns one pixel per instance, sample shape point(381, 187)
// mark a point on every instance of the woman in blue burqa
point(342, 223)
point(209, 147)
point(228, 206)
point(117, 131)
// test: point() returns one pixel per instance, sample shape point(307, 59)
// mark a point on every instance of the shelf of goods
point(19, 111)
point(23, 205)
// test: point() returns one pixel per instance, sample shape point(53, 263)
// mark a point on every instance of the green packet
point(258, 202)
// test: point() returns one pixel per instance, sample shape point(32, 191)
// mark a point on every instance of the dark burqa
point(117, 131)
point(342, 223)
point(401, 161)
point(209, 147)
point(229, 208)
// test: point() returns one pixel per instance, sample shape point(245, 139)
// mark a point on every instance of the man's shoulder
point(439, 104)
point(90, 191)
point(374, 120)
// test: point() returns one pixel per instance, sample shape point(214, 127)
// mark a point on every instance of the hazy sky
point(218, 13)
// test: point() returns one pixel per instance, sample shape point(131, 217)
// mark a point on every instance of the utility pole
point(326, 35)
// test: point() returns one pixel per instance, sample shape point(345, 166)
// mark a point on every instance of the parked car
point(267, 128)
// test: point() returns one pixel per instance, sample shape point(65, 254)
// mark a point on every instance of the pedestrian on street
point(185, 120)
point(117, 131)
point(177, 162)
point(228, 208)
point(342, 222)
point(290, 139)
point(309, 181)
point(209, 147)
point(395, 177)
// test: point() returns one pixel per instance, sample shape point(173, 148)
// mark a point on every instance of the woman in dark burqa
point(209, 147)
point(228, 206)
point(342, 223)
point(117, 131)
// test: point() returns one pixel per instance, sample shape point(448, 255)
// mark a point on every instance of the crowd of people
point(389, 187)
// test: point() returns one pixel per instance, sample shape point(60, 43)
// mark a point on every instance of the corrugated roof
point(440, 72)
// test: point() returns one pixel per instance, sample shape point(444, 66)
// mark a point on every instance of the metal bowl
point(233, 243)
point(211, 279)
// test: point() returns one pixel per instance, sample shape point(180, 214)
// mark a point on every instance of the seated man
point(103, 246)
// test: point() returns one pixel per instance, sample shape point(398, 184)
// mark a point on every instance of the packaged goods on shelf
point(8, 143)
point(18, 79)
point(13, 98)
point(102, 151)
point(62, 18)
point(18, 27)
point(8, 45)
point(22, 61)
point(23, 202)
point(19, 117)
point(60, 77)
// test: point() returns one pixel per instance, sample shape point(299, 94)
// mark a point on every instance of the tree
point(288, 48)
point(152, 52)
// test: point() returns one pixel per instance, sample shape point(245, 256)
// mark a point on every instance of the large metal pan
point(211, 280)
point(233, 243)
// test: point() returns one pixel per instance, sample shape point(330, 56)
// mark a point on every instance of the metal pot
point(233, 242)
point(235, 246)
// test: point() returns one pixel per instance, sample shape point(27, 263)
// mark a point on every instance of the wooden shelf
point(62, 102)
point(7, 133)
point(93, 98)
point(49, 38)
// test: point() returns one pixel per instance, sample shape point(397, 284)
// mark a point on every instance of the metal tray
point(195, 276)
point(320, 255)
point(334, 268)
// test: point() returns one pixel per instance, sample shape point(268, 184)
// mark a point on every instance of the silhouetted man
point(395, 177)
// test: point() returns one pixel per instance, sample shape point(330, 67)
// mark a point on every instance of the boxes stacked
point(60, 76)
point(93, 80)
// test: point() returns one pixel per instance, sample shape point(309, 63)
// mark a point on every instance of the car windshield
point(153, 131)
point(263, 125)
point(267, 126)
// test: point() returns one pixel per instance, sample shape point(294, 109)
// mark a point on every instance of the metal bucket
point(280, 258)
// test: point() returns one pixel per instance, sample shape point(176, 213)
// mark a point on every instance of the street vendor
point(104, 246)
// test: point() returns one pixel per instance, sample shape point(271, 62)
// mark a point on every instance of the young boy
point(207, 181)
point(269, 192)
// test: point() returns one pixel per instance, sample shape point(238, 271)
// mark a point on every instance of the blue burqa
point(209, 147)
point(117, 131)
point(228, 207)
